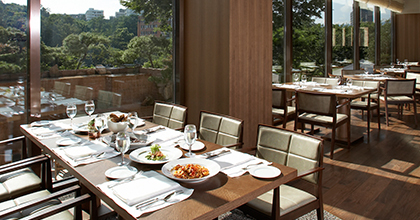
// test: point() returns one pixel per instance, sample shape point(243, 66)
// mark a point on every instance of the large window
point(367, 37)
point(386, 37)
point(278, 41)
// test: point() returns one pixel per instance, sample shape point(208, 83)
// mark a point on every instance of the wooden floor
point(379, 179)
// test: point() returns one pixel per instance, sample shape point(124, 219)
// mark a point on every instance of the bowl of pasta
point(191, 170)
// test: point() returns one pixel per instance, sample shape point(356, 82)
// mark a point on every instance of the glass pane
point(13, 68)
point(367, 37)
point(342, 38)
point(105, 52)
point(278, 41)
point(309, 38)
point(385, 36)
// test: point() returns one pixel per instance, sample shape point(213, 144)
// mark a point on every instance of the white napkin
point(49, 131)
point(144, 188)
point(166, 137)
point(93, 147)
point(232, 163)
point(70, 100)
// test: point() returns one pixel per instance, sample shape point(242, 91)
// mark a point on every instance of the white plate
point(120, 172)
point(81, 129)
point(139, 155)
point(213, 167)
point(198, 145)
point(68, 141)
point(265, 172)
point(111, 141)
point(40, 123)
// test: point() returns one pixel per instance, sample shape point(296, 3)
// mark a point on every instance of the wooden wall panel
point(227, 60)
point(250, 64)
point(407, 37)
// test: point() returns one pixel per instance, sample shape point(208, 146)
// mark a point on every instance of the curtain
point(393, 5)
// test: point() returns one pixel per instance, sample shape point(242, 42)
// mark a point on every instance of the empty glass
point(295, 77)
point(303, 78)
point(133, 120)
point(349, 82)
point(71, 111)
point(89, 107)
point(122, 144)
point(100, 122)
point(190, 135)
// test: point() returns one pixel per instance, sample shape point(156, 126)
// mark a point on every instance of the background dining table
point(211, 198)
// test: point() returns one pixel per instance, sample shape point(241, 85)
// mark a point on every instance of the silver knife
point(223, 152)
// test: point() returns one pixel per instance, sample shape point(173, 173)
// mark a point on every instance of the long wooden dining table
point(211, 198)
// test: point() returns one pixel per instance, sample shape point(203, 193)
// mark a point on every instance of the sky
point(341, 8)
point(76, 6)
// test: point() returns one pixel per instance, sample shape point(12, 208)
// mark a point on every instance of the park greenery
point(75, 43)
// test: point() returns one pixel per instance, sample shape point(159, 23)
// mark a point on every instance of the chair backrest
point(351, 72)
point(377, 68)
point(413, 67)
point(279, 98)
point(83, 92)
point(332, 81)
point(403, 87)
point(293, 149)
point(315, 102)
point(220, 129)
point(366, 83)
point(169, 115)
point(107, 99)
point(319, 79)
point(412, 75)
point(62, 88)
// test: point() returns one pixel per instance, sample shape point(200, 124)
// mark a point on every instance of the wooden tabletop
point(350, 93)
point(210, 199)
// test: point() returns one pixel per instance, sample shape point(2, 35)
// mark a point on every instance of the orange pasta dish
point(190, 171)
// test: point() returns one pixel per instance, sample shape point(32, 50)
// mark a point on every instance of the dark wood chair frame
point(285, 101)
point(334, 125)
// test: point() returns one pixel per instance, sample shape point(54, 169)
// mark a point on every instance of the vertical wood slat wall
point(227, 60)
point(407, 37)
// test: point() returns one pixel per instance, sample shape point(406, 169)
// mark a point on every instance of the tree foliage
point(149, 47)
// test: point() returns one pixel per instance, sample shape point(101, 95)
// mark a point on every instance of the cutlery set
point(147, 203)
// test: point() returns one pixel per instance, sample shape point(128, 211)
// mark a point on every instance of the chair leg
point(386, 114)
point(302, 127)
point(368, 122)
point(332, 143)
point(379, 116)
point(320, 213)
point(415, 112)
point(349, 133)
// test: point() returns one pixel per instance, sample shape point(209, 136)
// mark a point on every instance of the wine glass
point(303, 78)
point(122, 144)
point(89, 107)
point(133, 119)
point(295, 77)
point(71, 111)
point(190, 135)
point(100, 122)
point(349, 82)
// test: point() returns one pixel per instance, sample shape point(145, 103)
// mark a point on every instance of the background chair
point(62, 88)
point(300, 151)
point(399, 92)
point(351, 72)
point(221, 129)
point(413, 67)
point(414, 74)
point(321, 109)
point(83, 92)
point(320, 80)
point(170, 115)
point(366, 103)
point(280, 110)
point(107, 99)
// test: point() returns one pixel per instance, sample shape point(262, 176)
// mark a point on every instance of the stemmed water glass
point(100, 122)
point(190, 135)
point(349, 82)
point(303, 78)
point(89, 107)
point(133, 120)
point(122, 144)
point(295, 77)
point(71, 111)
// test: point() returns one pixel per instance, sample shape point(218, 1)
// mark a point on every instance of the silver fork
point(90, 156)
point(125, 180)
point(165, 199)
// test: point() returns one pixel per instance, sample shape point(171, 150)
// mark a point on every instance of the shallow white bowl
point(117, 126)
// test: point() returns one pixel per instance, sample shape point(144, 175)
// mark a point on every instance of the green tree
point(12, 50)
point(80, 45)
point(146, 47)
point(121, 38)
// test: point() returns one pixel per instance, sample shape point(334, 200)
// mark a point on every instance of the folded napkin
point(144, 188)
point(70, 100)
point(232, 163)
point(49, 131)
point(334, 90)
point(87, 149)
point(166, 137)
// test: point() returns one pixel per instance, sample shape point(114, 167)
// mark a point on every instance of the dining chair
point(320, 109)
point(351, 72)
point(413, 67)
point(83, 92)
point(320, 80)
point(107, 99)
point(302, 152)
point(399, 92)
point(44, 202)
point(368, 102)
point(221, 129)
point(168, 114)
point(62, 88)
point(414, 74)
point(280, 110)
point(379, 68)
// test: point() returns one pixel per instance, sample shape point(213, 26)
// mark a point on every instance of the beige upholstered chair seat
point(291, 198)
point(36, 195)
point(397, 98)
point(362, 103)
point(322, 118)
point(16, 182)
point(372, 96)
point(290, 110)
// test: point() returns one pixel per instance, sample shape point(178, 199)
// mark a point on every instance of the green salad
point(155, 154)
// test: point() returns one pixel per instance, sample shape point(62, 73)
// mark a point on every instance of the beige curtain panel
point(393, 5)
